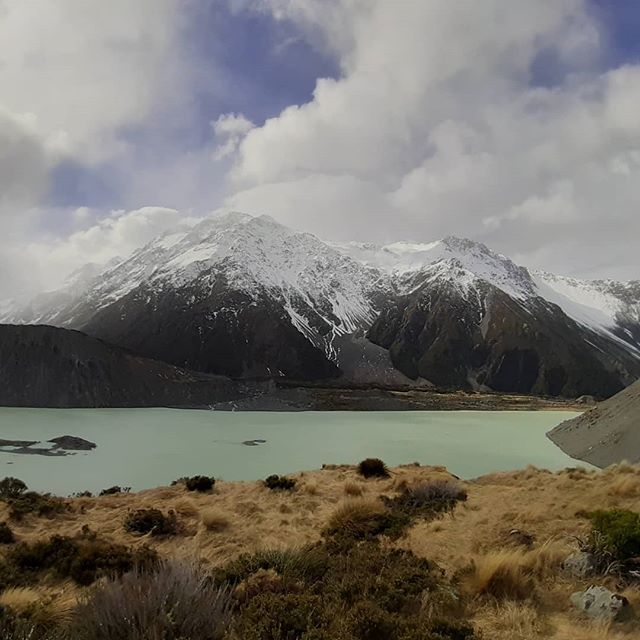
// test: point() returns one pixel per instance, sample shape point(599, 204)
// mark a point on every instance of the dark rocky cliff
point(42, 366)
point(493, 341)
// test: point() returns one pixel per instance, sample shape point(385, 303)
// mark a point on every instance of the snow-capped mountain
point(246, 296)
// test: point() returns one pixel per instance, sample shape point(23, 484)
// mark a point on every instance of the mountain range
point(246, 297)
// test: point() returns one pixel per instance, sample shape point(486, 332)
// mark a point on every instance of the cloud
point(74, 74)
point(492, 120)
point(82, 69)
point(229, 130)
point(42, 264)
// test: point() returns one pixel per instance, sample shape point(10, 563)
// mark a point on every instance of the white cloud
point(82, 69)
point(229, 130)
point(43, 264)
point(437, 126)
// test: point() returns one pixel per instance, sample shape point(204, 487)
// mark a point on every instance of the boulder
point(599, 602)
point(580, 564)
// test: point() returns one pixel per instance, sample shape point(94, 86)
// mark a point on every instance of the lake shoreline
point(142, 448)
point(294, 397)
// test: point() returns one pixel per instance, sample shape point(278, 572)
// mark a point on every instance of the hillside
point(43, 366)
point(487, 566)
point(607, 434)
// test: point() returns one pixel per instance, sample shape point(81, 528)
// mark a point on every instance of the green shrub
point(82, 560)
point(373, 468)
point(280, 483)
point(175, 602)
point(280, 616)
point(36, 503)
point(11, 488)
point(616, 532)
point(360, 591)
point(199, 483)
point(151, 521)
point(295, 564)
point(6, 535)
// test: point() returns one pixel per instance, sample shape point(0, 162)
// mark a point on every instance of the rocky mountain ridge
point(248, 297)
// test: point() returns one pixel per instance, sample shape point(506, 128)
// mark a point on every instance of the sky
point(511, 122)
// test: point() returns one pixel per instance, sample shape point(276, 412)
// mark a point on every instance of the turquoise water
point(144, 448)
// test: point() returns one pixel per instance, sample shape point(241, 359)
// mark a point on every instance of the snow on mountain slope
point(602, 305)
point(460, 261)
point(330, 293)
point(325, 293)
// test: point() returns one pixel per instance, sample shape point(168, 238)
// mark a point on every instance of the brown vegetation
point(510, 591)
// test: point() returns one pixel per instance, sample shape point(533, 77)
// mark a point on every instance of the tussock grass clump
point(365, 519)
point(510, 573)
point(373, 468)
point(82, 560)
point(280, 483)
point(6, 534)
point(176, 601)
point(215, 520)
point(151, 521)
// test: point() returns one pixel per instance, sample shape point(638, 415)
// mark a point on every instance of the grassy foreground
point(414, 555)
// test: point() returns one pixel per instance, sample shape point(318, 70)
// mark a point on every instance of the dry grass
point(20, 599)
point(215, 520)
point(535, 501)
point(512, 573)
point(353, 489)
point(512, 621)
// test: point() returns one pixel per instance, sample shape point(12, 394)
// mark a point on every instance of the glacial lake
point(143, 448)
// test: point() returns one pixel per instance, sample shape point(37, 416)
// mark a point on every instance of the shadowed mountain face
point(493, 341)
point(247, 297)
point(43, 366)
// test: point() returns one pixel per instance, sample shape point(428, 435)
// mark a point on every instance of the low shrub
point(427, 498)
point(11, 488)
point(361, 591)
point(82, 560)
point(13, 627)
point(283, 483)
point(176, 601)
point(114, 490)
point(199, 483)
point(373, 468)
point(616, 532)
point(151, 521)
point(6, 534)
point(295, 565)
point(39, 504)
